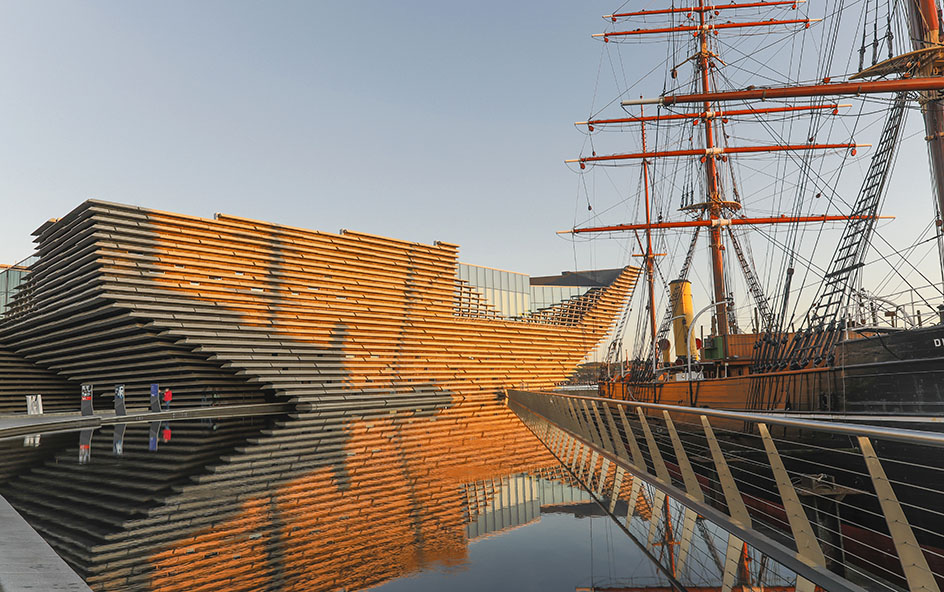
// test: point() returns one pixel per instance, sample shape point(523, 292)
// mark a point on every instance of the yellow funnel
point(683, 310)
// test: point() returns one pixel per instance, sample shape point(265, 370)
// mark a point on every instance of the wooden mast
point(925, 33)
point(714, 206)
point(650, 256)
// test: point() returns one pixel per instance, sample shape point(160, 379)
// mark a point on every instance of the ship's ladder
point(753, 283)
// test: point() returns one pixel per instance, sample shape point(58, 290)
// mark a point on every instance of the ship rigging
point(816, 327)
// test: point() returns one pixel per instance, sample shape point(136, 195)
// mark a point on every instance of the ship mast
point(925, 34)
point(650, 256)
point(714, 205)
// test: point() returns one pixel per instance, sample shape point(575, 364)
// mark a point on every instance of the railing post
point(685, 467)
point(913, 563)
point(638, 460)
point(654, 453)
point(732, 496)
point(807, 545)
point(601, 427)
point(619, 448)
point(589, 429)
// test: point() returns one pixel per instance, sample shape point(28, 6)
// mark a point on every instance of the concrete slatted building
point(236, 310)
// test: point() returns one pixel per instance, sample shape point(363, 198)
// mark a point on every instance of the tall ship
point(786, 267)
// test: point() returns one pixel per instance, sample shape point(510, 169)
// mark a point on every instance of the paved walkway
point(27, 562)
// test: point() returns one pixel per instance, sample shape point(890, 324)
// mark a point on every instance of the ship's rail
point(843, 506)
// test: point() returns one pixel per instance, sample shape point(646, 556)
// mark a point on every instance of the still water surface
point(458, 497)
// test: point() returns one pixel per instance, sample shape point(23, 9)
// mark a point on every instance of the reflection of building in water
point(495, 505)
point(321, 500)
point(231, 309)
point(78, 508)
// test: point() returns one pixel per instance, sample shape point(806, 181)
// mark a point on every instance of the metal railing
point(845, 507)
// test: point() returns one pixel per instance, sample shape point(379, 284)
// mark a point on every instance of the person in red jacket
point(168, 395)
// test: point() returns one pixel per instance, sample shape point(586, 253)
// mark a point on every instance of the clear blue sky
point(414, 119)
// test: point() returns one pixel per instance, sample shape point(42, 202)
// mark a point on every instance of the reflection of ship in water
point(321, 500)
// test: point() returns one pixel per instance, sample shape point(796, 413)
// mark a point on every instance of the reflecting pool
point(459, 497)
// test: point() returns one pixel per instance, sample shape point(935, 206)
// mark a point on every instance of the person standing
point(168, 395)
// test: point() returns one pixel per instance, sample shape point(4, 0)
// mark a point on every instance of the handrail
point(852, 509)
point(832, 427)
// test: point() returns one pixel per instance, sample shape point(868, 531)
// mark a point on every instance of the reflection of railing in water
point(681, 543)
point(820, 498)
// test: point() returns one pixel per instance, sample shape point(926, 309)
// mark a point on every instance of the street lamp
point(688, 339)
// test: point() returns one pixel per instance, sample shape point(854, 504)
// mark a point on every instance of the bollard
point(34, 404)
point(120, 400)
point(87, 399)
point(155, 398)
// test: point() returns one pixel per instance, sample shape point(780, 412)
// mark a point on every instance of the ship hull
point(900, 373)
